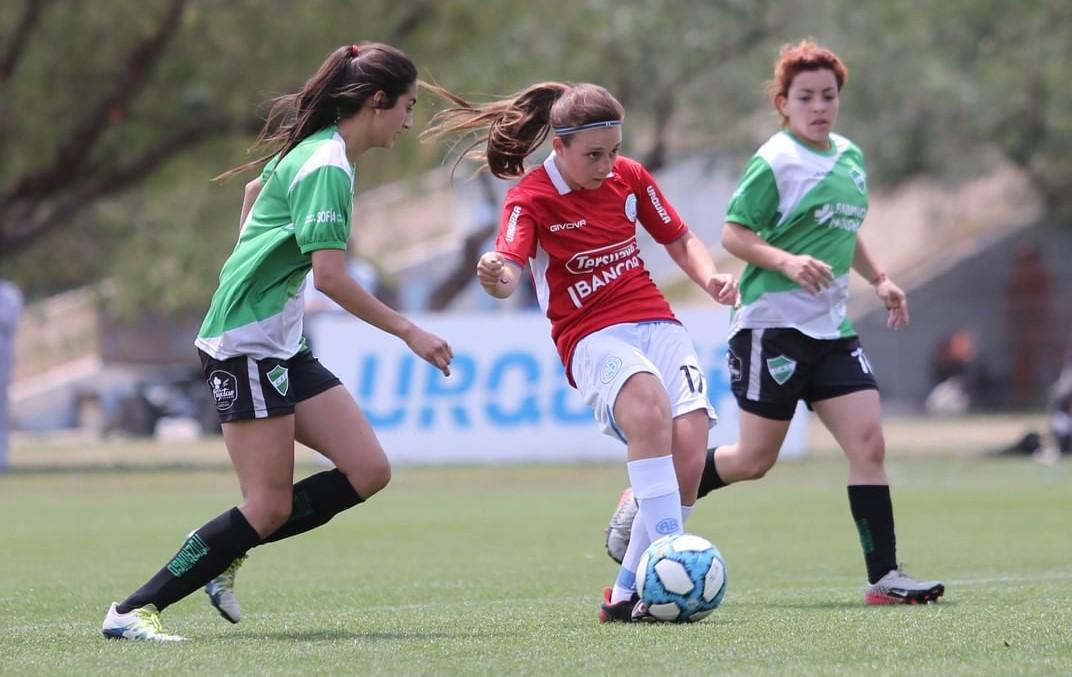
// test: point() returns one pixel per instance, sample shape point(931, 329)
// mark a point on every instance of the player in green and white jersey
point(269, 389)
point(794, 219)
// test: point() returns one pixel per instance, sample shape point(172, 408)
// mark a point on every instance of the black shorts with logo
point(770, 369)
point(245, 388)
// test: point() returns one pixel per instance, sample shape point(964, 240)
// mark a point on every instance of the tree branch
point(415, 15)
point(26, 221)
point(31, 14)
point(140, 63)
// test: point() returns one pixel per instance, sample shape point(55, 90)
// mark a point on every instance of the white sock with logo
point(654, 485)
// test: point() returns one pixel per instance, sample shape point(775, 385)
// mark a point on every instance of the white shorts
point(604, 361)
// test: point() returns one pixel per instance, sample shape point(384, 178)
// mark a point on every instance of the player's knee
point(646, 417)
point(375, 476)
point(871, 447)
point(757, 463)
point(269, 512)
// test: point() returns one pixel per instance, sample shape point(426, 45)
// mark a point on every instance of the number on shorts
point(694, 377)
point(865, 364)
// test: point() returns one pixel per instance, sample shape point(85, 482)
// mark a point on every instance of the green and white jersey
point(803, 201)
point(305, 204)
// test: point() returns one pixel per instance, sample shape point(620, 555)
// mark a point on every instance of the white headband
point(563, 131)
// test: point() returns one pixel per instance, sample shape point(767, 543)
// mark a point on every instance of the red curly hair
point(806, 55)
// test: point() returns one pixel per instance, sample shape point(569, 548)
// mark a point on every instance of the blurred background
point(115, 115)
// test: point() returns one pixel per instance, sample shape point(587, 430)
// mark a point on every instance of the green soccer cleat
point(141, 623)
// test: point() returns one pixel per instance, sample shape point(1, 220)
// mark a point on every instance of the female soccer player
point(268, 387)
point(794, 219)
point(574, 220)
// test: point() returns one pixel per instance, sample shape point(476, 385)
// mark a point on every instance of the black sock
point(872, 510)
point(206, 553)
point(710, 480)
point(317, 499)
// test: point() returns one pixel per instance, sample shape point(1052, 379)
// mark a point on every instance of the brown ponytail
point(517, 125)
point(346, 79)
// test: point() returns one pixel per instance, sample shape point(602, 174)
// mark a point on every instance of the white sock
point(655, 488)
point(625, 586)
point(686, 510)
point(654, 485)
point(638, 543)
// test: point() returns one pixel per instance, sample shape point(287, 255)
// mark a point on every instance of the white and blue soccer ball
point(681, 578)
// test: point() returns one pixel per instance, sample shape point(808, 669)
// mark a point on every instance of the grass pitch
point(497, 570)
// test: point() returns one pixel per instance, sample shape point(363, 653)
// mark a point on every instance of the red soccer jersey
point(583, 248)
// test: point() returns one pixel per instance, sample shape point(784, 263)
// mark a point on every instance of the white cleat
point(897, 587)
point(621, 525)
point(220, 591)
point(142, 623)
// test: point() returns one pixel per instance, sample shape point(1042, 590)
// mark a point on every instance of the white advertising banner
point(507, 398)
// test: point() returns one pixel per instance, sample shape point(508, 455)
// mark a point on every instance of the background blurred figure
point(10, 306)
point(959, 380)
point(1033, 328)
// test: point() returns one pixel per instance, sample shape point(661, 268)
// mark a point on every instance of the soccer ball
point(681, 578)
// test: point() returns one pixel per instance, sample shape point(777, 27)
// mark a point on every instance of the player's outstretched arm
point(497, 275)
point(330, 276)
point(809, 272)
point(892, 296)
point(691, 255)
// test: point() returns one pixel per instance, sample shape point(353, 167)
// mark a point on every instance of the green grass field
point(498, 570)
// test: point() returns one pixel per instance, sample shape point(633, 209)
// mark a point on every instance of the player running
point(794, 218)
point(573, 219)
point(268, 387)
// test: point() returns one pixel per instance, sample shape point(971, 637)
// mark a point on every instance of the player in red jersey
point(573, 220)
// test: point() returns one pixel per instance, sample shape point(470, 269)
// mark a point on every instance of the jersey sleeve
point(320, 206)
point(654, 211)
point(517, 230)
point(754, 204)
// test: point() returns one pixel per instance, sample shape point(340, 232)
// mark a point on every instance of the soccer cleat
point(220, 591)
point(621, 525)
point(630, 610)
point(897, 587)
point(140, 623)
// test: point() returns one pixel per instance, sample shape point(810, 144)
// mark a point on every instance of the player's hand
point(723, 288)
point(429, 347)
point(809, 272)
point(489, 270)
point(895, 301)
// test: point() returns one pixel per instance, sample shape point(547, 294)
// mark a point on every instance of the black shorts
point(245, 388)
point(770, 369)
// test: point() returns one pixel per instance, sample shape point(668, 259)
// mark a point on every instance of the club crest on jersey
point(279, 377)
point(224, 389)
point(781, 369)
point(859, 178)
point(630, 207)
point(610, 369)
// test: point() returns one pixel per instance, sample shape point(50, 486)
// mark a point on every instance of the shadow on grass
point(349, 635)
point(846, 605)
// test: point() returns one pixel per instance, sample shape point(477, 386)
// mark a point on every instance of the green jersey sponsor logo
point(781, 369)
point(279, 377)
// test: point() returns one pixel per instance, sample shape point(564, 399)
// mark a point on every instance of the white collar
point(557, 179)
